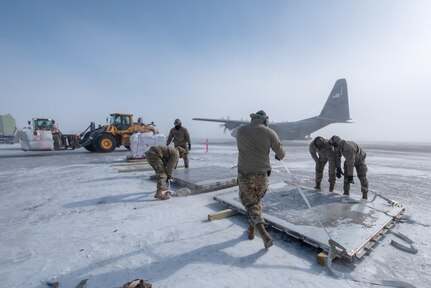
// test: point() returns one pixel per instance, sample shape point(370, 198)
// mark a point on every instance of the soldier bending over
point(322, 152)
point(163, 160)
point(355, 158)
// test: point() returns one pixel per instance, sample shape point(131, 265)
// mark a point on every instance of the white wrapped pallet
point(146, 140)
point(36, 140)
point(140, 143)
point(160, 139)
point(134, 142)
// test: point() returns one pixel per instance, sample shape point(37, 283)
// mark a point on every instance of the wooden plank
point(149, 168)
point(222, 214)
point(322, 258)
point(136, 160)
point(130, 164)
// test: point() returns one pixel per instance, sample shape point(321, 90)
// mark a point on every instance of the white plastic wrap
point(141, 142)
point(160, 139)
point(36, 140)
point(134, 142)
point(146, 140)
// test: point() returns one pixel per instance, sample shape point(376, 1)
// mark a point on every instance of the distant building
point(7, 125)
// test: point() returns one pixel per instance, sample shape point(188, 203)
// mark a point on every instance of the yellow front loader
point(107, 138)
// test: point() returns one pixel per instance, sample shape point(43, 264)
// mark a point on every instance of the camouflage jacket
point(352, 152)
point(254, 142)
point(325, 153)
point(169, 156)
point(181, 137)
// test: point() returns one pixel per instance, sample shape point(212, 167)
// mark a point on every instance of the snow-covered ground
point(71, 215)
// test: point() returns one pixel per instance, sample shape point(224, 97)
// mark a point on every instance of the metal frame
point(204, 179)
point(357, 233)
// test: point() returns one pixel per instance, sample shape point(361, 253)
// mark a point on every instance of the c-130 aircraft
point(336, 110)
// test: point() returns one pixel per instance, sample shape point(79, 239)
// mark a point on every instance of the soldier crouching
point(163, 160)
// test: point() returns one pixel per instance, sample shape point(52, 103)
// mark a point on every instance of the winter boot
point(161, 196)
point(137, 283)
point(251, 231)
point(318, 185)
point(346, 191)
point(331, 187)
point(364, 195)
point(267, 240)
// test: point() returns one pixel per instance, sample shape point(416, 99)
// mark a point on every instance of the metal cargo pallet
point(356, 225)
point(204, 179)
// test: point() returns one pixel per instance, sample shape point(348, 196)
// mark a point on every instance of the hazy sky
point(78, 61)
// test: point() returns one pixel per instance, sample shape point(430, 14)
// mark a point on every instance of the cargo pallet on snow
point(204, 179)
point(354, 224)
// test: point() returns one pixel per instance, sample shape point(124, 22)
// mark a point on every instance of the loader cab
point(121, 121)
point(43, 123)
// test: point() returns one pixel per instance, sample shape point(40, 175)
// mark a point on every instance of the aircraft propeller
point(224, 125)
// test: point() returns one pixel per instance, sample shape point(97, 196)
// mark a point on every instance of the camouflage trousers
point(252, 188)
point(361, 171)
point(320, 167)
point(159, 167)
point(185, 156)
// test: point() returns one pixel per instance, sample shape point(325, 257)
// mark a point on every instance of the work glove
point(276, 158)
point(190, 147)
point(350, 179)
point(339, 172)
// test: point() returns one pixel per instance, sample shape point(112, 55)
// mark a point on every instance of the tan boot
point(161, 196)
point(331, 187)
point(318, 185)
point(251, 231)
point(267, 240)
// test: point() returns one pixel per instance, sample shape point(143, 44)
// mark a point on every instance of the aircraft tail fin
point(336, 108)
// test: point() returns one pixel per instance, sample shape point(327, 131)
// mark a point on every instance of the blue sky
point(78, 61)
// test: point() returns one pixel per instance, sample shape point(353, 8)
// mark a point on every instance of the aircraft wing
point(229, 124)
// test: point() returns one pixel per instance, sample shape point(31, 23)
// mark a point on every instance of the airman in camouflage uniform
point(163, 160)
point(181, 138)
point(354, 158)
point(254, 142)
point(322, 152)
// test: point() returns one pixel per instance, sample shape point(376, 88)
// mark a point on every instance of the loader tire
point(90, 148)
point(106, 143)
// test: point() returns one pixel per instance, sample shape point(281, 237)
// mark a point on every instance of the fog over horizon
point(79, 61)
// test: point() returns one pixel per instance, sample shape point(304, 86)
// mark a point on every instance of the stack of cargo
point(141, 142)
point(36, 140)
